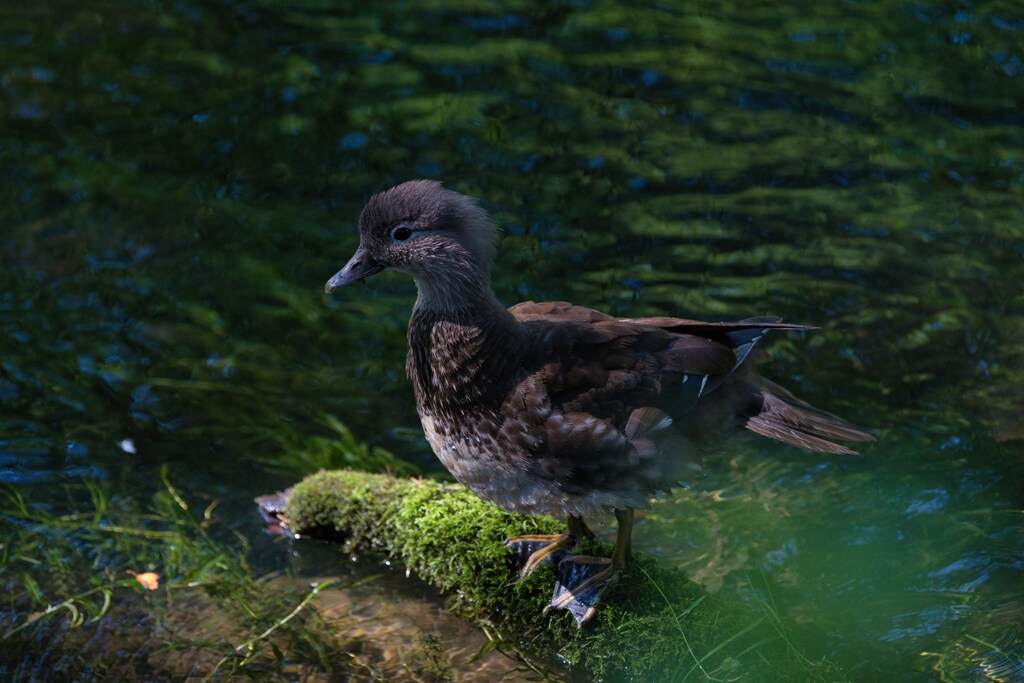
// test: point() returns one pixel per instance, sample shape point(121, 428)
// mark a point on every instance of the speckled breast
point(505, 475)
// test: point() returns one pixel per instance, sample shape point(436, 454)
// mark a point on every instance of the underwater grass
point(207, 617)
point(654, 624)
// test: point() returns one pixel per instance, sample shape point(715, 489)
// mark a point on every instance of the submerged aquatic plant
point(75, 575)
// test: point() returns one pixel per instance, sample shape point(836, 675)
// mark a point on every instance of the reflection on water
point(179, 181)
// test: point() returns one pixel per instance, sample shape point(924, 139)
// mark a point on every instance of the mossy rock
point(654, 625)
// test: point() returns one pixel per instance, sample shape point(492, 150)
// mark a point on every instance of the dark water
point(180, 178)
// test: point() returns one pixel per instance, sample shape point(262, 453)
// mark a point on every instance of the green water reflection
point(180, 178)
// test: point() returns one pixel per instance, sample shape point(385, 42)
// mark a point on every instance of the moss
point(654, 625)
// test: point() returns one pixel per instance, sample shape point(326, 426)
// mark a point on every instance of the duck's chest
point(462, 375)
point(460, 367)
point(467, 448)
point(489, 463)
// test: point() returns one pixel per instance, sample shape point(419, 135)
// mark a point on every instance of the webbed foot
point(581, 581)
point(532, 550)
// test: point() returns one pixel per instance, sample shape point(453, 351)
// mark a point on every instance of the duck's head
point(440, 237)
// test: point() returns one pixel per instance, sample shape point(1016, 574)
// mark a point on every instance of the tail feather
point(786, 418)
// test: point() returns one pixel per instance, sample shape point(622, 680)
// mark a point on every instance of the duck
point(550, 408)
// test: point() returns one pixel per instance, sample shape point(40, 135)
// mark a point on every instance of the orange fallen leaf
point(150, 580)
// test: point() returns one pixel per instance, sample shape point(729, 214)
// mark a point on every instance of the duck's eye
point(401, 233)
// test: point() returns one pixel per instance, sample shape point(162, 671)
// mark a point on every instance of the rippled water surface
point(180, 178)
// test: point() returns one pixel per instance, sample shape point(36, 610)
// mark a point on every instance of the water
point(179, 180)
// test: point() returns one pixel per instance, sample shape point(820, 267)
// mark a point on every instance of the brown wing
point(613, 389)
point(556, 310)
point(606, 376)
point(603, 364)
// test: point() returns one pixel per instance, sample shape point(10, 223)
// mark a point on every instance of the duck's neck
point(455, 291)
point(461, 343)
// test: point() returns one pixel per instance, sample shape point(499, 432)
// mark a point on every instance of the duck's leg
point(536, 548)
point(582, 578)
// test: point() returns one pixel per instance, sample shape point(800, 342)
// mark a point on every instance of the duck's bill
point(359, 267)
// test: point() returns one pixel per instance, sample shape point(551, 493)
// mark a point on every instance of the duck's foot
point(532, 550)
point(581, 581)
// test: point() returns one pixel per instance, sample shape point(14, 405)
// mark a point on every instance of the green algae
point(654, 625)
